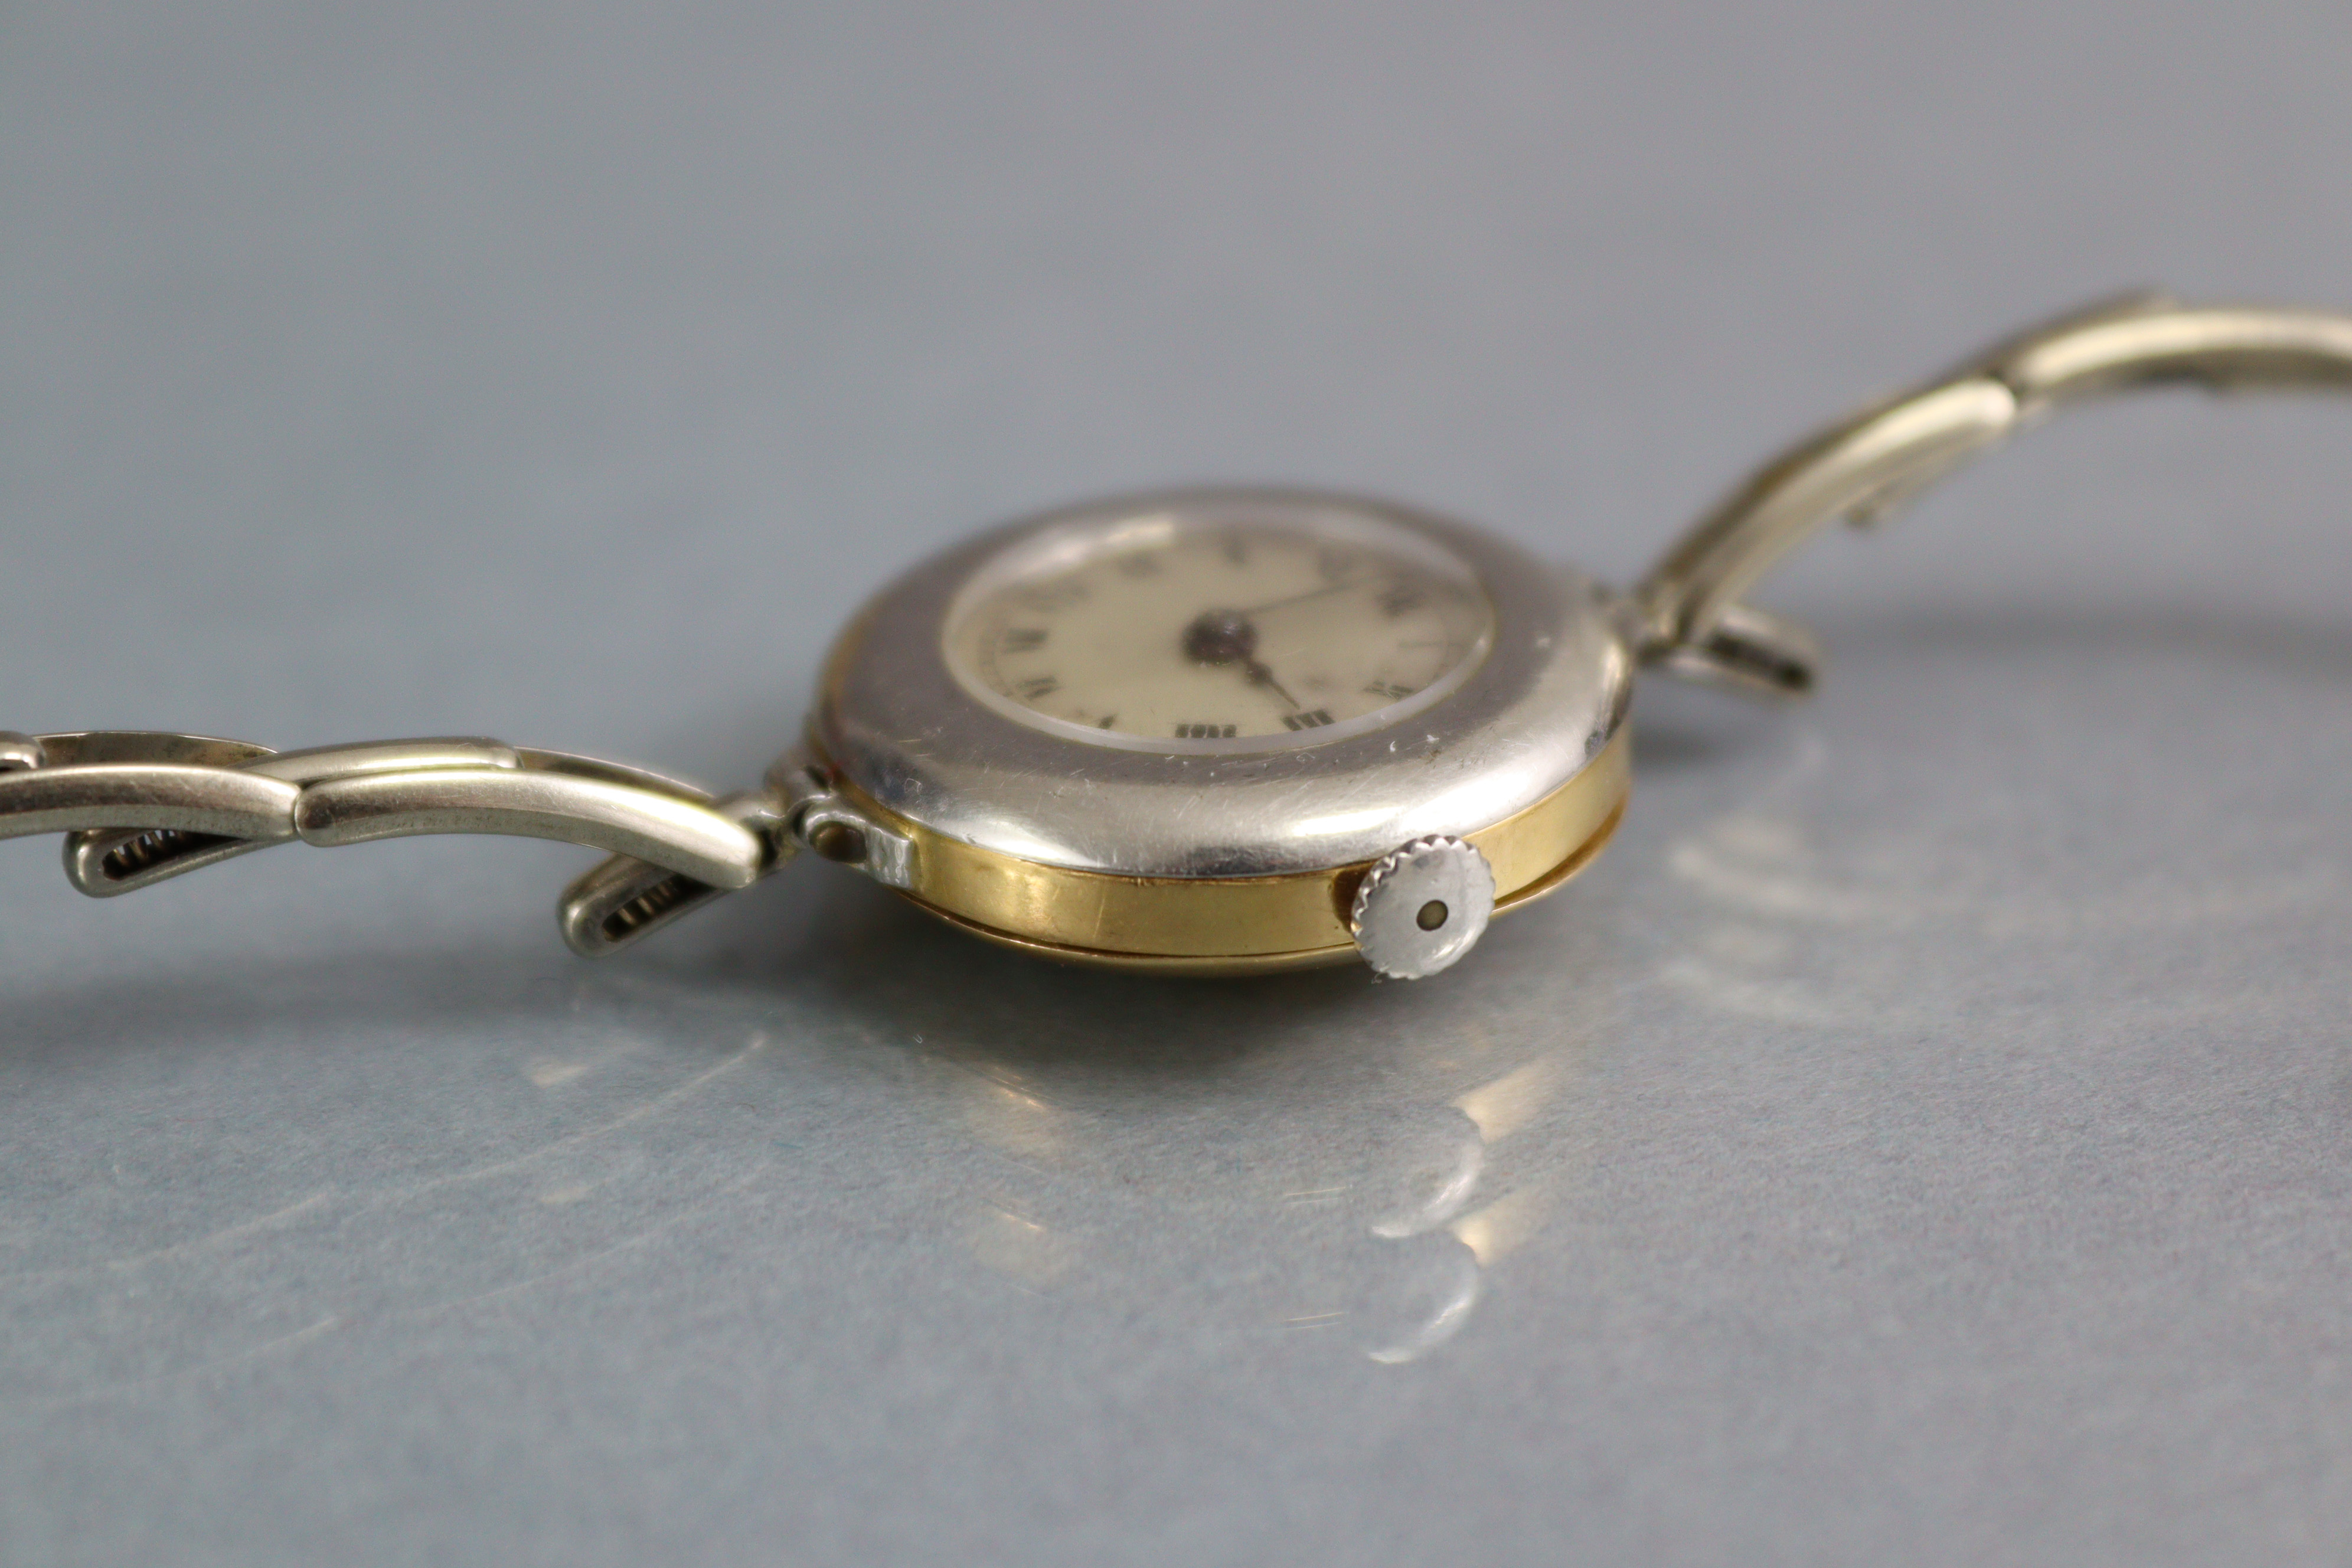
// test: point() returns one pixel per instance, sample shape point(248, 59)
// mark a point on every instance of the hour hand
point(1261, 675)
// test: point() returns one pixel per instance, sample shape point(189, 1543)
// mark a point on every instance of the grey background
point(1923, 1138)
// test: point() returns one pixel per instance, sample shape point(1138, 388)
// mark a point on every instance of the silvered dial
point(1219, 633)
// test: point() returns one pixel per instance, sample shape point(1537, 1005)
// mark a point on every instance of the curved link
point(138, 782)
point(165, 795)
point(1687, 612)
point(2224, 350)
point(105, 865)
point(139, 808)
point(677, 833)
point(621, 898)
point(86, 746)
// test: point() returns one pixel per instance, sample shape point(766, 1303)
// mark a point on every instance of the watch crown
point(1420, 908)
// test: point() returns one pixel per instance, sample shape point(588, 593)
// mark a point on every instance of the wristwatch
point(1201, 732)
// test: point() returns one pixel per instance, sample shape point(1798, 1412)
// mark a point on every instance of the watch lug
point(818, 819)
point(840, 832)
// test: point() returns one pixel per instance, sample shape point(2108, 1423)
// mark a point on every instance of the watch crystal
point(1221, 632)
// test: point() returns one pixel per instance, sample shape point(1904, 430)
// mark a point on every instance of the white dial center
point(1226, 633)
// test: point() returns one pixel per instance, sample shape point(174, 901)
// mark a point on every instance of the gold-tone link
point(1188, 923)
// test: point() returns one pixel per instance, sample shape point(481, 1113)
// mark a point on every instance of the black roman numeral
point(1039, 686)
point(1313, 718)
point(1205, 731)
point(1388, 689)
point(1023, 640)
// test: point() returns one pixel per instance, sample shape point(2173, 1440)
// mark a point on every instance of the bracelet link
point(139, 808)
point(623, 898)
point(134, 782)
point(1687, 613)
point(106, 864)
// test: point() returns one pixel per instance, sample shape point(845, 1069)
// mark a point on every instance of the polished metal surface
point(1545, 700)
point(1230, 925)
point(536, 802)
point(106, 863)
point(840, 831)
point(1421, 907)
point(161, 795)
point(142, 808)
point(1748, 651)
point(623, 898)
point(1686, 614)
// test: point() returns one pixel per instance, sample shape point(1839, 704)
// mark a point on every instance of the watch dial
point(1219, 633)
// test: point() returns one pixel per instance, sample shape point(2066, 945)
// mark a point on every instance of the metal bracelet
point(139, 808)
point(1686, 615)
point(624, 898)
point(105, 864)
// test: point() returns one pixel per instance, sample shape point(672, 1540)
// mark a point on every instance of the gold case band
point(1206, 925)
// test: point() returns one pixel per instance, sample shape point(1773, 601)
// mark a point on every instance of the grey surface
point(1922, 1139)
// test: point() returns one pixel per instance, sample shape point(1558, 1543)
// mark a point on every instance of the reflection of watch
point(1200, 733)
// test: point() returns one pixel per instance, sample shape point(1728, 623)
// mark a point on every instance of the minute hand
point(1301, 598)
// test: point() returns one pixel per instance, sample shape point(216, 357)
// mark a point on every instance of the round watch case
point(1202, 861)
